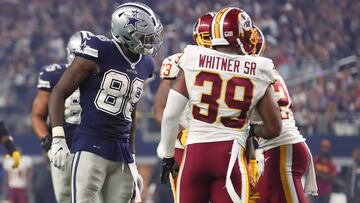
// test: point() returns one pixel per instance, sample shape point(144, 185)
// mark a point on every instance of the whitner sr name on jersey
point(226, 64)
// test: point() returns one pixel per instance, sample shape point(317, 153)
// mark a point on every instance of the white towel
point(310, 179)
point(235, 150)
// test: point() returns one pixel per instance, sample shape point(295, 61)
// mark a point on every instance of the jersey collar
point(132, 64)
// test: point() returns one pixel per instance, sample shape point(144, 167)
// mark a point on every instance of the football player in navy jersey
point(110, 74)
point(48, 77)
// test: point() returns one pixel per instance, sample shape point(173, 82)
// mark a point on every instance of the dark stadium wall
point(341, 146)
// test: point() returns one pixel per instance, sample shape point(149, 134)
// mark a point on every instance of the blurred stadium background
point(315, 45)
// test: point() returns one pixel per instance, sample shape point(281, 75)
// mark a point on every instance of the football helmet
point(136, 27)
point(232, 27)
point(256, 44)
point(74, 43)
point(201, 30)
point(253, 43)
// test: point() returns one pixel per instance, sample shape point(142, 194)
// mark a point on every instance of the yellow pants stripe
point(181, 168)
point(286, 174)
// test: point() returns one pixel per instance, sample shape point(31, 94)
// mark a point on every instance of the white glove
point(139, 179)
point(59, 151)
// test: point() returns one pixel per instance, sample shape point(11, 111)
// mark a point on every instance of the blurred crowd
point(304, 38)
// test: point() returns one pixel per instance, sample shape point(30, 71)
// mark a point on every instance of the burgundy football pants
point(202, 175)
point(284, 167)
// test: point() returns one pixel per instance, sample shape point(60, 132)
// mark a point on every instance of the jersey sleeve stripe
point(91, 52)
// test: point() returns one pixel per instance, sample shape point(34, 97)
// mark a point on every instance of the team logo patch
point(228, 34)
point(132, 19)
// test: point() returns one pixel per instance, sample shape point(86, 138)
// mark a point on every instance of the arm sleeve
point(175, 104)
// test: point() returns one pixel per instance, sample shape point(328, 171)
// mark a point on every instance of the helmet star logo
point(132, 19)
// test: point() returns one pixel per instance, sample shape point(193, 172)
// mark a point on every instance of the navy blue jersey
point(107, 99)
point(48, 78)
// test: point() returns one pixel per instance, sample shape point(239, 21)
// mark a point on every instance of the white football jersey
point(223, 90)
point(289, 132)
point(169, 71)
point(18, 177)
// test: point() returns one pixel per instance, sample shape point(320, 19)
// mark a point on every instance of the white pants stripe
point(75, 164)
point(182, 165)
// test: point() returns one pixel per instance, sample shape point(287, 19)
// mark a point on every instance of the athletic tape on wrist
point(58, 132)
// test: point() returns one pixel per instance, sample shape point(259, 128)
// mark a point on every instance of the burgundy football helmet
point(201, 30)
point(233, 27)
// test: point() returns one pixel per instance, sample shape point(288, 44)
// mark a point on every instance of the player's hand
point(169, 165)
point(16, 156)
point(59, 151)
point(140, 182)
point(254, 172)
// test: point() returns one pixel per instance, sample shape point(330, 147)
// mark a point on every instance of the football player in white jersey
point(48, 78)
point(223, 87)
point(7, 140)
point(168, 73)
point(287, 157)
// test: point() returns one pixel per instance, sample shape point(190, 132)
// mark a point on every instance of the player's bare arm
point(270, 114)
point(133, 130)
point(39, 113)
point(78, 71)
point(176, 102)
point(250, 151)
point(180, 85)
point(160, 99)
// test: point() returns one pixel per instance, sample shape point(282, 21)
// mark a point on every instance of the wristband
point(10, 146)
point(3, 129)
point(252, 130)
point(45, 142)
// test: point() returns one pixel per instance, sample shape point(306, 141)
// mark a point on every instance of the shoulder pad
point(49, 76)
point(169, 68)
point(53, 67)
point(89, 46)
point(267, 70)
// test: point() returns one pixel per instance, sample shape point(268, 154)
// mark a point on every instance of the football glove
point(254, 172)
point(59, 151)
point(183, 136)
point(254, 197)
point(16, 156)
point(169, 165)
